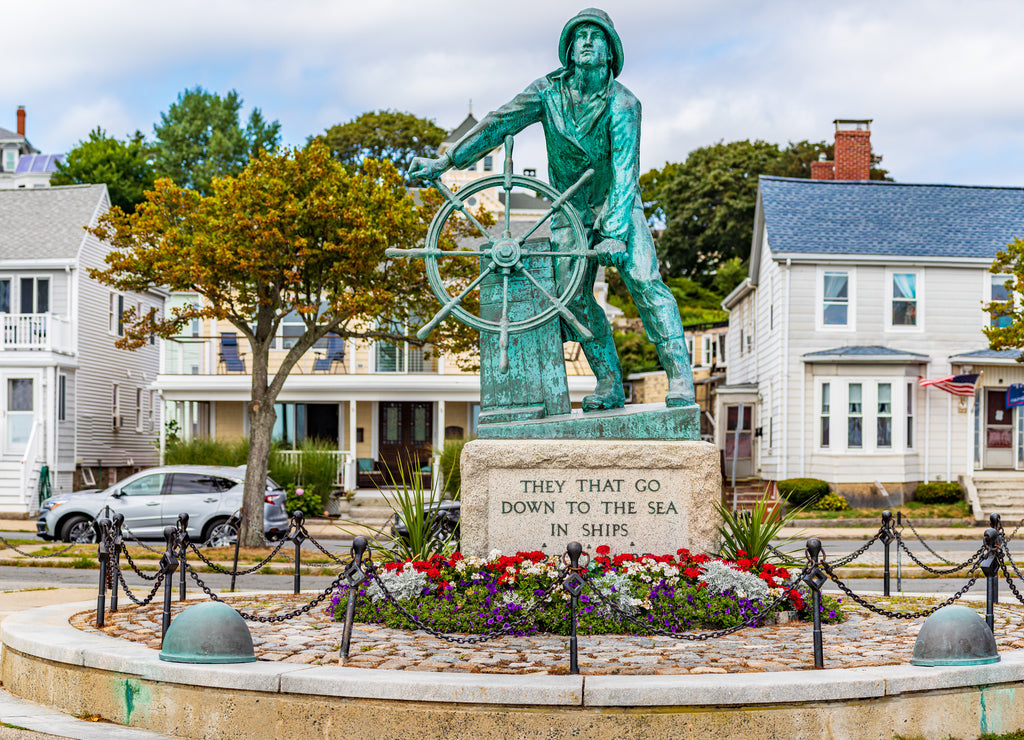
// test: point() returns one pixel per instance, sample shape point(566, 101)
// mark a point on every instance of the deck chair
point(335, 353)
point(229, 356)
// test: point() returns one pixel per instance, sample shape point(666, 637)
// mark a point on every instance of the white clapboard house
point(74, 411)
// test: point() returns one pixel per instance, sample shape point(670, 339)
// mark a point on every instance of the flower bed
point(519, 594)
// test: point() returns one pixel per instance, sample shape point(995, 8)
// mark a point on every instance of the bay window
point(865, 409)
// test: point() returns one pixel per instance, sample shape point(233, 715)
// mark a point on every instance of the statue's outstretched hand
point(611, 252)
point(425, 168)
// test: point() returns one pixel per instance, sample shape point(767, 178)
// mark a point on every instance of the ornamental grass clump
point(520, 594)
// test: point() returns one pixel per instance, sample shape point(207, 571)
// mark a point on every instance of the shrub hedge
point(802, 491)
point(940, 492)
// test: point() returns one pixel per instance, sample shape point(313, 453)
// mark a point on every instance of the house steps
point(745, 494)
point(1001, 493)
point(11, 495)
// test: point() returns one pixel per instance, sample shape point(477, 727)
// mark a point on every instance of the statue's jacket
point(605, 137)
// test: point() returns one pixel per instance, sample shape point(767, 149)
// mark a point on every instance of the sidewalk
point(37, 720)
point(321, 528)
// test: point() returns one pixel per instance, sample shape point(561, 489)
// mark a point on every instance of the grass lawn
point(912, 510)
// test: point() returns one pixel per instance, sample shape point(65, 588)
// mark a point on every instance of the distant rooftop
point(46, 223)
point(891, 219)
point(865, 353)
point(460, 130)
point(41, 163)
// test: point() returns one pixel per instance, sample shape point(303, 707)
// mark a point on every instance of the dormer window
point(10, 159)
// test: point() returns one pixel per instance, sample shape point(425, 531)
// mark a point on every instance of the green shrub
point(940, 492)
point(451, 458)
point(207, 451)
point(309, 502)
point(831, 501)
point(315, 471)
point(802, 491)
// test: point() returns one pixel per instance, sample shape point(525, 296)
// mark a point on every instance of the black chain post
point(899, 554)
point(298, 536)
point(886, 536)
point(183, 541)
point(168, 564)
point(995, 521)
point(815, 578)
point(117, 540)
point(238, 543)
point(574, 585)
point(103, 553)
point(355, 575)
point(990, 565)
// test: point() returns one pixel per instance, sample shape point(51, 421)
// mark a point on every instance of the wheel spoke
point(461, 207)
point(450, 305)
point(574, 253)
point(557, 205)
point(562, 309)
point(508, 187)
point(435, 252)
point(503, 327)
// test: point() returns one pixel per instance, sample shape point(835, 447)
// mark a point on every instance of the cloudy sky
point(940, 78)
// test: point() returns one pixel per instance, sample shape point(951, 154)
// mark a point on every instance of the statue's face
point(590, 46)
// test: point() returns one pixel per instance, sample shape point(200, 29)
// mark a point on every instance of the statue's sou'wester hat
point(601, 19)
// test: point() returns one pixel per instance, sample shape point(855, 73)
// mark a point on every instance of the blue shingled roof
point(991, 354)
point(888, 218)
point(875, 352)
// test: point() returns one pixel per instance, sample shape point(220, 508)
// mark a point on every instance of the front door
point(19, 406)
point(406, 434)
point(998, 431)
point(738, 441)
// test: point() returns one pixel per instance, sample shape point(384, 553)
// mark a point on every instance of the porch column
point(435, 477)
point(350, 465)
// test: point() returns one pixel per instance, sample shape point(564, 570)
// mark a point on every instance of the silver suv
point(152, 499)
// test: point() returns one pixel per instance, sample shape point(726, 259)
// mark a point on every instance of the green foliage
point(939, 492)
point(384, 134)
point(200, 137)
point(802, 491)
point(728, 275)
point(309, 502)
point(831, 501)
point(707, 202)
point(229, 453)
point(697, 303)
point(1007, 326)
point(451, 468)
point(125, 167)
point(636, 353)
point(414, 504)
point(752, 532)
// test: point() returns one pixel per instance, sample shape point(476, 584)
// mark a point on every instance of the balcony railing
point(33, 331)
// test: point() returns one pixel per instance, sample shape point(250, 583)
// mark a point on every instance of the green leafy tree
point(707, 202)
point(294, 233)
point(200, 137)
point(728, 275)
point(1007, 327)
point(125, 167)
point(384, 134)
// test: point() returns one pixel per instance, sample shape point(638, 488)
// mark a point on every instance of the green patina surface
point(641, 421)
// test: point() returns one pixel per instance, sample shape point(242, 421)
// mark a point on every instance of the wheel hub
point(506, 253)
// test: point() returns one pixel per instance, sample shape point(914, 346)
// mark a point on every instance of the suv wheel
point(78, 528)
point(221, 533)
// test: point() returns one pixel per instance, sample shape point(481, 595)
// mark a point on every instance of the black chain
point(752, 621)
point(1014, 532)
point(128, 591)
point(258, 618)
point(137, 541)
point(926, 545)
point(1009, 581)
point(518, 623)
point(847, 559)
point(134, 567)
point(49, 555)
point(886, 612)
point(320, 547)
point(969, 563)
point(246, 572)
point(1009, 557)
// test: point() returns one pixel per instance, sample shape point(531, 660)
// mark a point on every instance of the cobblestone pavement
point(864, 639)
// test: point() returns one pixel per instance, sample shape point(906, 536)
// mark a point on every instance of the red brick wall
point(823, 170)
point(853, 155)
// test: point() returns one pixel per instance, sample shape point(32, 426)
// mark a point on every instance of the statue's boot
point(604, 361)
point(676, 361)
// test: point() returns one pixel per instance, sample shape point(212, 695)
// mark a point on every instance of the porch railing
point(30, 465)
point(36, 331)
point(342, 458)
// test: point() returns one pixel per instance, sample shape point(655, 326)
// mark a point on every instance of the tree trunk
point(261, 426)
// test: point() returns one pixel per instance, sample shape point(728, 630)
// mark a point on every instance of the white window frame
point(706, 351)
point(62, 397)
point(824, 412)
point(918, 327)
point(115, 314)
point(115, 405)
point(989, 282)
point(689, 349)
point(16, 293)
point(10, 161)
point(721, 339)
point(150, 408)
point(851, 300)
point(138, 409)
point(839, 392)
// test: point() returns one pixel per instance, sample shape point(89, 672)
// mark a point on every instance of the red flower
point(603, 549)
point(455, 557)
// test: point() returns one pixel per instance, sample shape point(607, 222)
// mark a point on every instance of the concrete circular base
point(47, 660)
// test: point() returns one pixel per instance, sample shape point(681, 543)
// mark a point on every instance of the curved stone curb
point(960, 699)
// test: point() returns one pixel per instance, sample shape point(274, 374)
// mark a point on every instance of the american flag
point(958, 385)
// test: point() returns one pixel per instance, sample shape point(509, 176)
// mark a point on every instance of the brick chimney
point(852, 152)
point(21, 120)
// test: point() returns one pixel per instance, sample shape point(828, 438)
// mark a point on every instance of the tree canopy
point(384, 134)
point(707, 202)
point(201, 137)
point(294, 233)
point(1007, 327)
point(125, 167)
